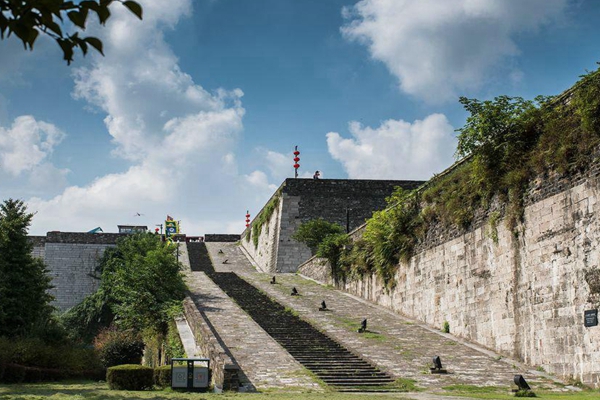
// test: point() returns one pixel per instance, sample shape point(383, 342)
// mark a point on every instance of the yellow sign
point(171, 228)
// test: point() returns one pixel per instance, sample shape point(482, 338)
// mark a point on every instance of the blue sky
point(194, 112)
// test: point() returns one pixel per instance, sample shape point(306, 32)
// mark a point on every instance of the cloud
point(178, 137)
point(26, 144)
point(396, 149)
point(438, 49)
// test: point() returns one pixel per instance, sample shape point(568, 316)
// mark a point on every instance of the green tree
point(24, 283)
point(141, 283)
point(27, 18)
point(313, 232)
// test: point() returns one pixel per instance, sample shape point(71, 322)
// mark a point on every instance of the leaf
point(67, 48)
point(77, 18)
point(33, 34)
point(103, 14)
point(134, 7)
point(95, 43)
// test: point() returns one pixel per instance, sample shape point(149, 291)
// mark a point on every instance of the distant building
point(132, 228)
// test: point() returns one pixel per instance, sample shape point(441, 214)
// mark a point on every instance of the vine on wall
point(263, 217)
point(505, 144)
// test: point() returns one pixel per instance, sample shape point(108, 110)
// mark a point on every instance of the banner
point(171, 227)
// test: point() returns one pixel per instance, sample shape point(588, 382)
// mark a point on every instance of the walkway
point(263, 362)
point(400, 346)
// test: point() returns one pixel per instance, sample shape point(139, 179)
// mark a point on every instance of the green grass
point(497, 393)
point(99, 391)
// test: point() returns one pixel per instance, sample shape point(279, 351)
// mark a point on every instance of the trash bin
point(190, 373)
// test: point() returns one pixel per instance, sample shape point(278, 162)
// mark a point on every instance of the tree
point(24, 283)
point(141, 283)
point(27, 18)
point(313, 232)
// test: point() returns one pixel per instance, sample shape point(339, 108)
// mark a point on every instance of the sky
point(194, 112)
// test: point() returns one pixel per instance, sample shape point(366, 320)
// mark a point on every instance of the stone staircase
point(327, 359)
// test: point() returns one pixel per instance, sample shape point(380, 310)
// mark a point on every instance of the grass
point(498, 393)
point(79, 390)
point(100, 391)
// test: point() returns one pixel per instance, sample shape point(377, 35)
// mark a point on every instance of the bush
point(44, 362)
point(162, 376)
point(312, 233)
point(130, 377)
point(13, 373)
point(117, 347)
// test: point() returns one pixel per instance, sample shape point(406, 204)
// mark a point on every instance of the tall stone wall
point(72, 259)
point(343, 201)
point(522, 296)
point(264, 255)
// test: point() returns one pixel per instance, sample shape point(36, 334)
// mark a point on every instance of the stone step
point(310, 347)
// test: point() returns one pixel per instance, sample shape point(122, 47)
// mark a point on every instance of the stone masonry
point(72, 259)
point(341, 201)
point(522, 296)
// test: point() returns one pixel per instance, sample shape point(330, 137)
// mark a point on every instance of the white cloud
point(26, 144)
point(395, 150)
point(438, 49)
point(178, 137)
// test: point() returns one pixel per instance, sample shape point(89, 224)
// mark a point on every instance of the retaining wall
point(523, 296)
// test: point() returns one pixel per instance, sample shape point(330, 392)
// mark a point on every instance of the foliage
point(313, 232)
point(141, 288)
point(31, 359)
point(24, 283)
point(263, 217)
point(331, 248)
point(27, 18)
point(162, 376)
point(117, 347)
point(161, 348)
point(130, 377)
point(87, 318)
point(507, 142)
point(446, 327)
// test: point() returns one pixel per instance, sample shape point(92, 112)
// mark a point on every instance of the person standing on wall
point(317, 175)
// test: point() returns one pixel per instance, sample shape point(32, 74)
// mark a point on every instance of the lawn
point(100, 391)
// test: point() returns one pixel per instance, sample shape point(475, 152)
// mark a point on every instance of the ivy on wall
point(263, 217)
point(505, 144)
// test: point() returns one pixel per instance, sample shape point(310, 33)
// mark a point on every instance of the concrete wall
point(523, 296)
point(341, 201)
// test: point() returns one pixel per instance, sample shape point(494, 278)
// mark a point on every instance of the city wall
point(343, 201)
point(523, 296)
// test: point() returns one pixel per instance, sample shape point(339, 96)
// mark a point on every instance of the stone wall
point(264, 256)
point(220, 237)
point(72, 259)
point(223, 371)
point(343, 201)
point(521, 296)
point(318, 269)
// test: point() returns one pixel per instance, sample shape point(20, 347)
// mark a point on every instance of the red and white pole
point(247, 218)
point(296, 159)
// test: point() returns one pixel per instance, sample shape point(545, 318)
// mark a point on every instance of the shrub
point(116, 347)
point(162, 376)
point(313, 232)
point(13, 373)
point(130, 377)
point(56, 361)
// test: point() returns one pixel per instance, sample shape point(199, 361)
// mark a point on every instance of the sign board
point(179, 378)
point(171, 228)
point(590, 318)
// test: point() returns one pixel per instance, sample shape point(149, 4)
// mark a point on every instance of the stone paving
point(402, 347)
point(263, 362)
